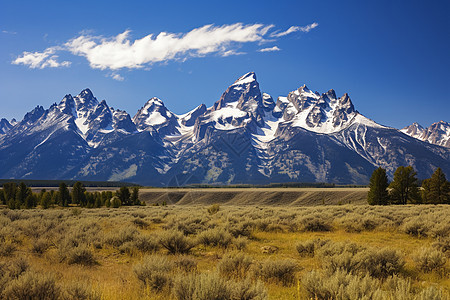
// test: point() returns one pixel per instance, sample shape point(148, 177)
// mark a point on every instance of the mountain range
point(246, 137)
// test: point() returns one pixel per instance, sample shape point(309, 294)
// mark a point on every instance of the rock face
point(437, 134)
point(245, 137)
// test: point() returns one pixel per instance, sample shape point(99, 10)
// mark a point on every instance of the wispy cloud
point(121, 51)
point(41, 60)
point(292, 29)
point(272, 49)
point(116, 76)
point(8, 32)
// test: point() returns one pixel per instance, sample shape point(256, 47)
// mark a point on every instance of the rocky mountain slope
point(245, 137)
point(437, 134)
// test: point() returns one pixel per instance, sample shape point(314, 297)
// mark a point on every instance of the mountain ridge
point(244, 137)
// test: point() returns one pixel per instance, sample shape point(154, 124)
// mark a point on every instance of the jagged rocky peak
point(34, 115)
point(5, 126)
point(153, 113)
point(67, 105)
point(189, 118)
point(414, 130)
point(122, 120)
point(244, 94)
point(85, 101)
point(268, 102)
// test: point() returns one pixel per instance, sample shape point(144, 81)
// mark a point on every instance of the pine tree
point(78, 196)
point(436, 190)
point(404, 187)
point(46, 200)
point(378, 194)
point(64, 195)
point(135, 196)
point(9, 191)
point(23, 196)
point(124, 195)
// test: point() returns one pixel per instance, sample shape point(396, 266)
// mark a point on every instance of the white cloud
point(9, 32)
point(121, 51)
point(292, 29)
point(116, 76)
point(41, 60)
point(272, 49)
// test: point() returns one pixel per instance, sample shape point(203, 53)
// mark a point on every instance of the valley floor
point(237, 252)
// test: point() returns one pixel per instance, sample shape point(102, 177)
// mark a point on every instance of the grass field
point(227, 252)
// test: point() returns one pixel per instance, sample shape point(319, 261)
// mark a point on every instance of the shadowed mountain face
point(245, 137)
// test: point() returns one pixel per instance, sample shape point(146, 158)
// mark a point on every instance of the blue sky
point(392, 57)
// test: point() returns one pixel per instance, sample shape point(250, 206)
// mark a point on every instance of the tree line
point(19, 196)
point(404, 188)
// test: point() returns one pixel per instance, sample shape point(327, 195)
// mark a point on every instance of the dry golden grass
point(110, 235)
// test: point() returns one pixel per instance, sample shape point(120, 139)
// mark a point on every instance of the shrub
point(315, 223)
point(140, 223)
point(215, 237)
point(78, 291)
point(146, 243)
point(7, 248)
point(17, 267)
point(186, 264)
point(339, 285)
point(234, 265)
point(245, 290)
point(240, 243)
point(32, 285)
point(201, 287)
point(81, 255)
point(153, 271)
point(416, 228)
point(175, 242)
point(379, 263)
point(282, 271)
point(305, 248)
point(126, 234)
point(40, 246)
point(429, 260)
point(213, 209)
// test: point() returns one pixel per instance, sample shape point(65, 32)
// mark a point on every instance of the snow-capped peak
point(153, 113)
point(245, 79)
point(438, 133)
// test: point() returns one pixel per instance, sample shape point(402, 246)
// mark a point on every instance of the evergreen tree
point(436, 190)
point(135, 196)
point(404, 186)
point(23, 196)
point(124, 195)
point(378, 194)
point(9, 191)
point(78, 196)
point(2, 197)
point(63, 195)
point(46, 200)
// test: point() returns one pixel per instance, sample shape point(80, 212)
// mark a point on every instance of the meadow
point(226, 252)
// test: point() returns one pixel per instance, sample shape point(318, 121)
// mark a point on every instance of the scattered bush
point(240, 243)
point(429, 260)
point(186, 264)
point(315, 223)
point(40, 246)
point(153, 271)
point(81, 255)
point(32, 285)
point(175, 242)
point(282, 271)
point(213, 209)
point(146, 243)
point(306, 248)
point(235, 265)
point(215, 237)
